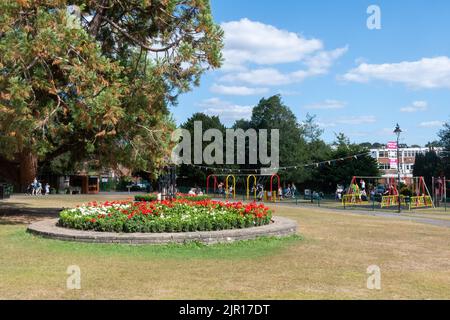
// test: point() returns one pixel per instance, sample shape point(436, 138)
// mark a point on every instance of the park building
point(387, 160)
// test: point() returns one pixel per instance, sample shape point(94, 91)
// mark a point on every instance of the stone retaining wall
point(281, 227)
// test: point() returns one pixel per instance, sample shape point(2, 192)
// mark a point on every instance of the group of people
point(222, 190)
point(288, 192)
point(356, 189)
point(195, 192)
point(36, 188)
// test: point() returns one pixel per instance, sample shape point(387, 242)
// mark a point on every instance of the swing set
point(227, 184)
point(439, 191)
point(271, 195)
point(387, 193)
point(251, 189)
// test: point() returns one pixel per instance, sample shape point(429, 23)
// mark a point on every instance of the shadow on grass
point(16, 213)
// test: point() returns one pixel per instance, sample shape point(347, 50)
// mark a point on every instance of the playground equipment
point(391, 197)
point(253, 188)
point(207, 183)
point(386, 192)
point(439, 191)
point(227, 184)
point(227, 188)
point(273, 194)
point(252, 181)
point(421, 197)
point(357, 195)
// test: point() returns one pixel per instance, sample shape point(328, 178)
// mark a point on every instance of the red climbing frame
point(393, 184)
point(207, 183)
point(271, 183)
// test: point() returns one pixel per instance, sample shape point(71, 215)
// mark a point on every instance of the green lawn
point(327, 260)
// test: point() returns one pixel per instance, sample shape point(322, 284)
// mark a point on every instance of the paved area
point(399, 216)
point(26, 209)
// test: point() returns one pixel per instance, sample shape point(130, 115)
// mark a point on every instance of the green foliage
point(405, 190)
point(123, 183)
point(428, 165)
point(272, 113)
point(146, 197)
point(444, 135)
point(99, 86)
point(190, 176)
point(157, 217)
point(329, 175)
point(154, 197)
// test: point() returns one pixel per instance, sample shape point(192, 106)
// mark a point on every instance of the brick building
point(387, 160)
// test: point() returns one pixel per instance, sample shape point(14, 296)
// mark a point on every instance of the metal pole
point(445, 193)
point(398, 173)
point(433, 195)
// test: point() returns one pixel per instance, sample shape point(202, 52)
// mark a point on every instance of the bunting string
point(263, 169)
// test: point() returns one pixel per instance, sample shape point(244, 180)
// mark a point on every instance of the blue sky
point(321, 57)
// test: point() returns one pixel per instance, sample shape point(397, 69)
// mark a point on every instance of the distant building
point(387, 160)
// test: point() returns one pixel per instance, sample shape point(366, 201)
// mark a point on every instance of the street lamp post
point(398, 131)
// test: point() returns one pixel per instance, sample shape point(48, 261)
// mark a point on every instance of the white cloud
point(327, 105)
point(321, 62)
point(225, 110)
point(350, 120)
point(425, 73)
point(249, 43)
point(315, 65)
point(431, 124)
point(355, 120)
point(256, 42)
point(266, 76)
point(237, 90)
point(326, 124)
point(416, 106)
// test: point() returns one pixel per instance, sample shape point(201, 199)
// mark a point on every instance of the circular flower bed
point(179, 215)
point(154, 197)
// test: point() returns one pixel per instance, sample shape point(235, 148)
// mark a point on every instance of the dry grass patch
point(328, 262)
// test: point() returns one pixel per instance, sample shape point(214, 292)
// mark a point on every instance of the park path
point(21, 208)
point(398, 216)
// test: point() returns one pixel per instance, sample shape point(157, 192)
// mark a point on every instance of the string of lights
point(263, 169)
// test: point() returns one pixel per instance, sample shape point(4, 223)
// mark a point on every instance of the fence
point(5, 191)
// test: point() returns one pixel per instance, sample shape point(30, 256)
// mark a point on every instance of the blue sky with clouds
point(321, 57)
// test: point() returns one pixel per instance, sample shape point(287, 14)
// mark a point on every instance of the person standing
point(294, 190)
point(363, 184)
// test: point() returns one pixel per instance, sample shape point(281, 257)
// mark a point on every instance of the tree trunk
point(28, 168)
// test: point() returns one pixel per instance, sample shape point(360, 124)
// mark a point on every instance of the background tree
point(92, 80)
point(427, 165)
point(444, 135)
point(377, 145)
point(191, 175)
point(341, 171)
point(434, 144)
point(272, 113)
point(366, 145)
